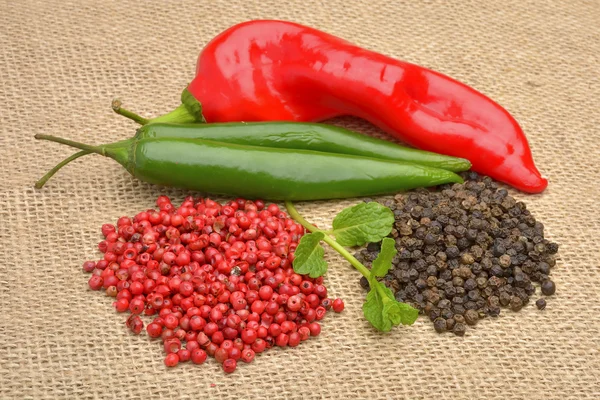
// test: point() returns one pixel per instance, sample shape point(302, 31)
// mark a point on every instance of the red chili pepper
point(275, 70)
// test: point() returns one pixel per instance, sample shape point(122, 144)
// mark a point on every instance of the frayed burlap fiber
point(61, 64)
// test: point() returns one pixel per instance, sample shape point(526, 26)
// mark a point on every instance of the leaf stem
point(327, 239)
point(299, 218)
point(375, 284)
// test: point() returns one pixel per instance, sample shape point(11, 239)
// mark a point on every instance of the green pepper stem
point(116, 106)
point(327, 239)
point(82, 146)
point(39, 184)
point(180, 115)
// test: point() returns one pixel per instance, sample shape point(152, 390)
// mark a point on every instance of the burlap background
point(61, 63)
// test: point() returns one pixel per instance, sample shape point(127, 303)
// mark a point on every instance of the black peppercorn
point(452, 252)
point(446, 275)
point(458, 281)
point(504, 261)
point(460, 232)
point(458, 309)
point(404, 254)
point(494, 301)
point(431, 281)
point(499, 249)
point(493, 311)
point(471, 305)
point(421, 231)
point(465, 251)
point(470, 284)
point(541, 304)
point(467, 259)
point(497, 270)
point(481, 282)
point(416, 254)
point(444, 303)
point(364, 282)
point(413, 274)
point(473, 295)
point(543, 268)
point(374, 247)
point(421, 284)
point(516, 303)
point(487, 292)
point(411, 290)
point(434, 314)
point(431, 270)
point(548, 288)
point(447, 313)
point(428, 307)
point(505, 298)
point(439, 325)
point(450, 324)
point(430, 238)
point(420, 265)
point(520, 280)
point(463, 272)
point(471, 317)
point(486, 263)
point(477, 252)
point(459, 329)
point(450, 291)
point(400, 296)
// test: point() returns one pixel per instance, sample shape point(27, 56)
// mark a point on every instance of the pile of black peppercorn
point(465, 251)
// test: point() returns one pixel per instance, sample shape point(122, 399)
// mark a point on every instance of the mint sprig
point(363, 223)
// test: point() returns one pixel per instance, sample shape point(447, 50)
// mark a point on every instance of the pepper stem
point(188, 112)
point(118, 151)
point(180, 115)
point(82, 146)
point(39, 184)
point(116, 106)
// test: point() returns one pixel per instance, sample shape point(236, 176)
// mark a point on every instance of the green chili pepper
point(262, 172)
point(291, 135)
point(305, 136)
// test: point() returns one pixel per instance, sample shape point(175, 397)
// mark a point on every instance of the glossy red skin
point(282, 71)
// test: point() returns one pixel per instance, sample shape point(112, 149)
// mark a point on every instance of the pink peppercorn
point(219, 277)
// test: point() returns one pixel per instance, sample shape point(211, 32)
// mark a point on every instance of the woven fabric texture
point(62, 62)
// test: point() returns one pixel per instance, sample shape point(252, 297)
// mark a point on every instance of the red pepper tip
point(531, 183)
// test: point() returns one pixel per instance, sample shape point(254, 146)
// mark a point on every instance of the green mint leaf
point(398, 312)
point(309, 256)
point(373, 311)
point(383, 262)
point(383, 311)
point(365, 222)
point(193, 106)
point(408, 314)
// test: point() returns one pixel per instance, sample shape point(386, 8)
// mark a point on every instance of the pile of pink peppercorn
point(218, 279)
